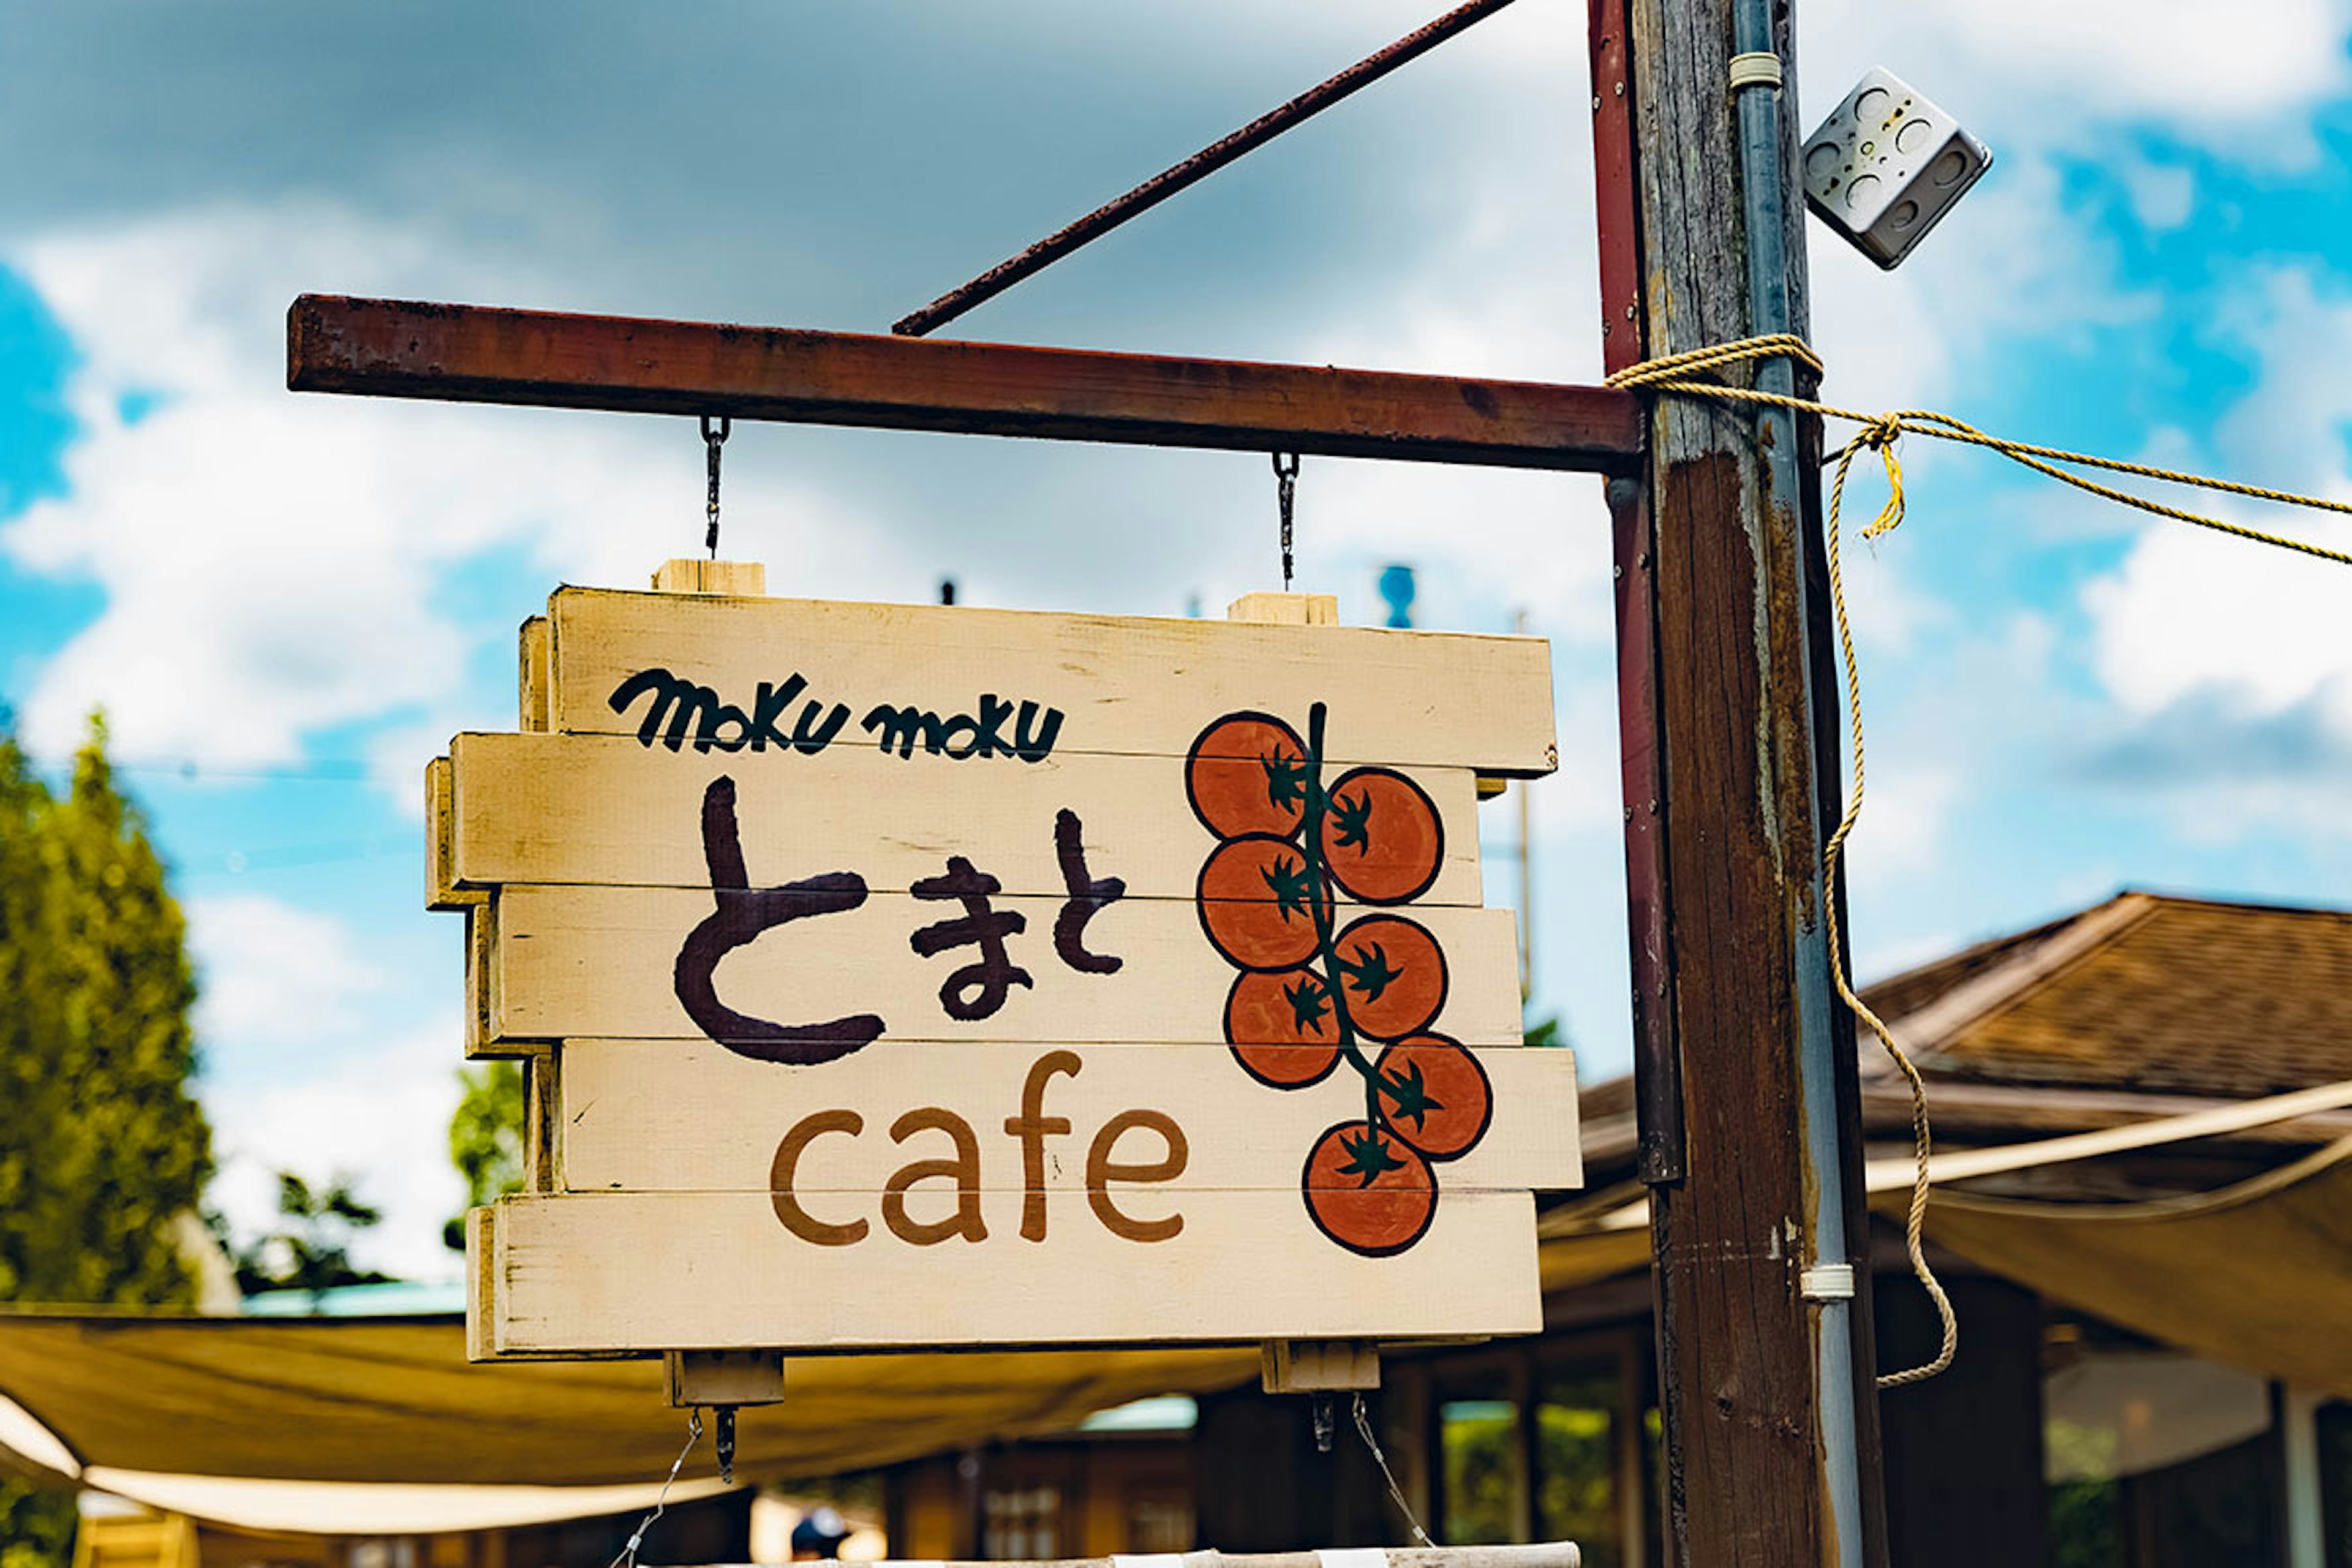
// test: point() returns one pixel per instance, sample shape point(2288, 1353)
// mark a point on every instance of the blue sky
point(287, 605)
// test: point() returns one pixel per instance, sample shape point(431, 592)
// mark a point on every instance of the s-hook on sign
point(910, 975)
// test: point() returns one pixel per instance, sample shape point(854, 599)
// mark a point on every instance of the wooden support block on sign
point(723, 1377)
point(535, 676)
point(482, 1043)
point(441, 891)
point(480, 1251)
point(1319, 1366)
point(1287, 609)
point(691, 576)
point(542, 1123)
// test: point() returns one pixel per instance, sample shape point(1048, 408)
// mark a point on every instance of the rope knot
point(1881, 435)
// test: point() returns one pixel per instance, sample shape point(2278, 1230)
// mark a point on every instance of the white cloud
point(2289, 430)
point(2192, 614)
point(277, 564)
point(274, 974)
point(2015, 270)
point(381, 1118)
point(2243, 78)
point(1899, 840)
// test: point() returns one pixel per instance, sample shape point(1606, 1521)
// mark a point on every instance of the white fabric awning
point(321, 1424)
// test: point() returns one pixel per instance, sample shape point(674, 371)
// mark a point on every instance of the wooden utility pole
point(1750, 1140)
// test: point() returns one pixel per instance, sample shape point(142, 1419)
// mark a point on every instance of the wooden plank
point(693, 574)
point(440, 889)
point(482, 1043)
point(1123, 684)
point(1319, 1366)
point(389, 348)
point(574, 962)
point(1286, 609)
point(602, 809)
point(690, 1116)
point(543, 1127)
point(537, 678)
point(601, 1273)
point(481, 1258)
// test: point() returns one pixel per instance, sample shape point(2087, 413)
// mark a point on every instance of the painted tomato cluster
point(1314, 992)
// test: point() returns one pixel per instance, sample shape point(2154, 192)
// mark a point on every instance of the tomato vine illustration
point(1312, 993)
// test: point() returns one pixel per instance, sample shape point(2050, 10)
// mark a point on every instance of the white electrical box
point(1887, 164)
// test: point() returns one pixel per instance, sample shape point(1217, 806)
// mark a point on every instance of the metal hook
point(712, 439)
point(1286, 482)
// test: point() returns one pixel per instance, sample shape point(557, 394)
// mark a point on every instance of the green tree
point(486, 1139)
point(103, 1151)
point(312, 1247)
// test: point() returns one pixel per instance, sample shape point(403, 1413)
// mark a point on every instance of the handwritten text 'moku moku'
point(679, 710)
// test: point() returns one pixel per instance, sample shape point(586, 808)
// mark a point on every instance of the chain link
point(1285, 482)
point(713, 437)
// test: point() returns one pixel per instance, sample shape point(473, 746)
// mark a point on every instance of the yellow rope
point(1880, 433)
point(1914, 1221)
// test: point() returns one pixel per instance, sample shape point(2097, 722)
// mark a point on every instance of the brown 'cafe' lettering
point(1029, 1128)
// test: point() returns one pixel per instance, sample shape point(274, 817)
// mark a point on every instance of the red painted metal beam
point(469, 353)
point(1658, 1080)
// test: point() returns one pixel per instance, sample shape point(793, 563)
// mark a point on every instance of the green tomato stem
point(1317, 804)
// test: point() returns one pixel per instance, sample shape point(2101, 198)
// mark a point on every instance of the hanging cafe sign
point(909, 976)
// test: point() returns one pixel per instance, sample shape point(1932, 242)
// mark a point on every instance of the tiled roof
point(2144, 1005)
point(1914, 988)
point(2146, 993)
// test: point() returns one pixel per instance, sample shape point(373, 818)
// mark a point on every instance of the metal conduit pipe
point(1828, 1272)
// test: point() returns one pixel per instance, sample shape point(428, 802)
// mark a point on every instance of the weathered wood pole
point(1750, 1138)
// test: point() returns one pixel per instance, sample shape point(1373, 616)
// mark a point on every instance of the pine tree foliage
point(103, 1150)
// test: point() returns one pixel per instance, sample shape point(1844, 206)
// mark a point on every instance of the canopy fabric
point(353, 1507)
point(1586, 1256)
point(2258, 1275)
point(2240, 1275)
point(395, 1401)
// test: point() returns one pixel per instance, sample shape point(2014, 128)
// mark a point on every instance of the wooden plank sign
point(909, 976)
